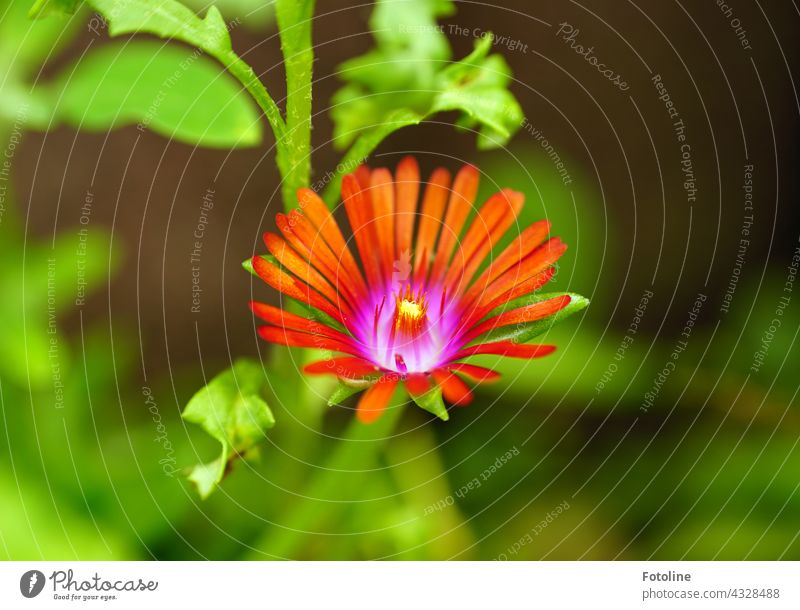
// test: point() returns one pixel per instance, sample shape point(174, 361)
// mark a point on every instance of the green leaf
point(432, 402)
point(522, 333)
point(344, 391)
point(407, 37)
point(172, 20)
point(409, 69)
point(166, 19)
point(368, 142)
point(230, 409)
point(252, 14)
point(174, 92)
point(43, 8)
point(477, 87)
point(206, 477)
point(407, 79)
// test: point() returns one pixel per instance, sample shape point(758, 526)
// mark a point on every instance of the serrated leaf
point(167, 89)
point(253, 14)
point(231, 410)
point(408, 70)
point(166, 19)
point(432, 402)
point(522, 333)
point(207, 476)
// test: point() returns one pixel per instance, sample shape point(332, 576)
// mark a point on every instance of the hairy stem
point(294, 24)
point(245, 75)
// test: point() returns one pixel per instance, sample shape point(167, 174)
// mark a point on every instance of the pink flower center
point(415, 335)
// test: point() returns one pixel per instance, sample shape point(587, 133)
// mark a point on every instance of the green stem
point(365, 144)
point(331, 488)
point(294, 25)
point(245, 75)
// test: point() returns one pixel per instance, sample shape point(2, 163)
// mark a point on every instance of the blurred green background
point(91, 389)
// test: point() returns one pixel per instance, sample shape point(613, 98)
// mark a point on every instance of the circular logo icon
point(31, 583)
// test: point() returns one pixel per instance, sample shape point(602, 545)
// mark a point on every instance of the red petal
point(349, 368)
point(296, 229)
point(374, 400)
point(454, 390)
point(476, 373)
point(417, 384)
point(323, 220)
point(518, 290)
point(382, 194)
point(433, 204)
point(406, 193)
point(523, 315)
point(490, 224)
point(284, 319)
point(465, 188)
point(300, 267)
point(359, 212)
point(525, 243)
point(506, 348)
point(533, 264)
point(308, 241)
point(283, 336)
point(362, 175)
point(285, 283)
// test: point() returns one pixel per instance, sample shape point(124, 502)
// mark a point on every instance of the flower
point(422, 299)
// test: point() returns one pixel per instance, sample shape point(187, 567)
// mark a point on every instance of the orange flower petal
point(375, 399)
point(417, 384)
point(294, 288)
point(305, 238)
point(359, 212)
point(522, 315)
point(323, 220)
point(454, 390)
point(488, 227)
point(528, 286)
point(293, 338)
point(433, 205)
point(533, 264)
point(474, 372)
point(284, 319)
point(300, 267)
point(362, 174)
point(406, 194)
point(465, 187)
point(525, 243)
point(382, 193)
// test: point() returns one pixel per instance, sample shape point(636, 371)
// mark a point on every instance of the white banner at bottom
point(384, 585)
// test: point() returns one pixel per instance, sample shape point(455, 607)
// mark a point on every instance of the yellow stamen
point(410, 312)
